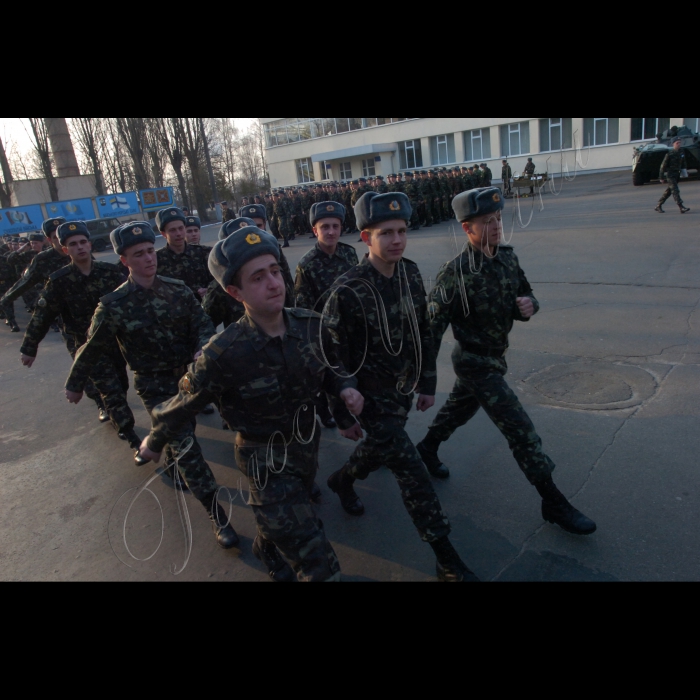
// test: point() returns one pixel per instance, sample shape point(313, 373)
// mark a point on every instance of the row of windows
point(556, 133)
point(294, 129)
point(305, 170)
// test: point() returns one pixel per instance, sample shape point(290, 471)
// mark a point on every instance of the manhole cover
point(593, 385)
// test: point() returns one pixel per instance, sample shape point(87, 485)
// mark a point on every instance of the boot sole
point(571, 531)
point(356, 513)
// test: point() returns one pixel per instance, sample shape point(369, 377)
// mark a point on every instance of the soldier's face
point(37, 246)
point(261, 224)
point(484, 231)
point(56, 244)
point(79, 249)
point(328, 232)
point(194, 235)
point(141, 259)
point(387, 242)
point(176, 234)
point(262, 286)
point(677, 146)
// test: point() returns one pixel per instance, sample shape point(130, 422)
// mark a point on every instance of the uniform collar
point(259, 339)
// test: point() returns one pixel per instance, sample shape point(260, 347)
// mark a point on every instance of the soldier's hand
point(202, 292)
point(354, 401)
point(425, 403)
point(150, 455)
point(527, 308)
point(27, 361)
point(354, 433)
point(74, 396)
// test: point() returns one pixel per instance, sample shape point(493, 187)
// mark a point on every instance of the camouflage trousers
point(112, 381)
point(426, 214)
point(415, 217)
point(279, 496)
point(284, 228)
point(274, 227)
point(155, 390)
point(384, 420)
point(672, 191)
point(74, 344)
point(490, 391)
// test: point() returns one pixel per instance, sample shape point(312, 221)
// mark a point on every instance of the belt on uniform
point(496, 353)
point(177, 372)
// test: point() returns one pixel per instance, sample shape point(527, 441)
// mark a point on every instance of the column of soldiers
point(342, 341)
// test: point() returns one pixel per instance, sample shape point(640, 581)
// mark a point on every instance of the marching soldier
point(671, 168)
point(506, 176)
point(73, 293)
point(379, 312)
point(41, 268)
point(281, 212)
point(264, 372)
point(497, 296)
point(22, 258)
point(413, 193)
point(160, 327)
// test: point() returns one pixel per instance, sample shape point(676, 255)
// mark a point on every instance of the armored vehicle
point(648, 158)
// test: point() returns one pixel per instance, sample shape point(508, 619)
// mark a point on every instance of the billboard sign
point(73, 210)
point(153, 200)
point(20, 220)
point(112, 205)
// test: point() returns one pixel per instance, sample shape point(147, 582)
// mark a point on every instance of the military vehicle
point(648, 158)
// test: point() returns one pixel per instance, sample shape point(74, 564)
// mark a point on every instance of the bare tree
point(170, 137)
point(90, 140)
point(132, 131)
point(40, 140)
point(7, 179)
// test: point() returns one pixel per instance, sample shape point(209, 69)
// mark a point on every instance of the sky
point(11, 129)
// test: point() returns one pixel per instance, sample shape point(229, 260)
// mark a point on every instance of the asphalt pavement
point(609, 371)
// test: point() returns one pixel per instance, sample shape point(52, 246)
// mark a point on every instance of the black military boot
point(432, 461)
point(659, 208)
point(557, 510)
point(226, 536)
point(14, 328)
point(132, 438)
point(277, 568)
point(684, 210)
point(342, 484)
point(450, 568)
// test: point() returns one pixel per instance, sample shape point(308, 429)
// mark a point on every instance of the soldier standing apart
point(497, 296)
point(160, 327)
point(73, 293)
point(488, 175)
point(530, 171)
point(379, 312)
point(265, 372)
point(320, 268)
point(228, 214)
point(506, 176)
point(671, 168)
point(41, 268)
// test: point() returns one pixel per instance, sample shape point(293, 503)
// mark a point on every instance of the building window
point(442, 149)
point(555, 134)
point(477, 145)
point(305, 171)
point(515, 139)
point(647, 128)
point(368, 168)
point(346, 171)
point(600, 131)
point(693, 123)
point(410, 155)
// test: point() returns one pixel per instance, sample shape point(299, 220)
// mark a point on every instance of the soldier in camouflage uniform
point(671, 168)
point(488, 175)
point(351, 224)
point(160, 327)
point(297, 208)
point(381, 186)
point(530, 171)
point(281, 212)
point(7, 279)
point(179, 260)
point(193, 231)
point(426, 193)
point(270, 212)
point(264, 373)
point(22, 258)
point(41, 268)
point(496, 296)
point(412, 191)
point(379, 312)
point(507, 176)
point(228, 213)
point(73, 293)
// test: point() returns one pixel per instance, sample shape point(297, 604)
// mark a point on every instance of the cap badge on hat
point(253, 239)
point(137, 231)
point(173, 213)
point(190, 221)
point(330, 207)
point(244, 224)
point(56, 223)
point(72, 227)
point(395, 206)
point(497, 198)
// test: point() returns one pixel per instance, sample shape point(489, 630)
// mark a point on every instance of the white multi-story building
point(303, 150)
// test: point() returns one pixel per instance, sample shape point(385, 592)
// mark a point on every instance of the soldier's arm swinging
point(30, 279)
point(527, 304)
point(45, 313)
point(446, 289)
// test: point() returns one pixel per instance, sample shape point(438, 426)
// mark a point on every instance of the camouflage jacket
point(270, 210)
point(482, 331)
point(262, 385)
point(158, 329)
point(488, 176)
point(426, 190)
point(357, 313)
point(190, 267)
point(529, 169)
point(336, 197)
point(229, 215)
point(74, 297)
point(21, 261)
point(297, 206)
point(382, 189)
point(41, 268)
point(412, 191)
point(673, 163)
point(317, 272)
point(7, 275)
point(281, 209)
point(396, 187)
point(506, 172)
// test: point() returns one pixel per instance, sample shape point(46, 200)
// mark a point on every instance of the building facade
point(305, 150)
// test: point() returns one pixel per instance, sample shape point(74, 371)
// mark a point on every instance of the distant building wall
point(27, 192)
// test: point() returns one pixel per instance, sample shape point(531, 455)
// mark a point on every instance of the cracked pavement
point(620, 293)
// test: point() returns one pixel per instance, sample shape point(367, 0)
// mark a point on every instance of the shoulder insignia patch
point(220, 343)
point(303, 313)
point(60, 273)
point(116, 295)
point(170, 280)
